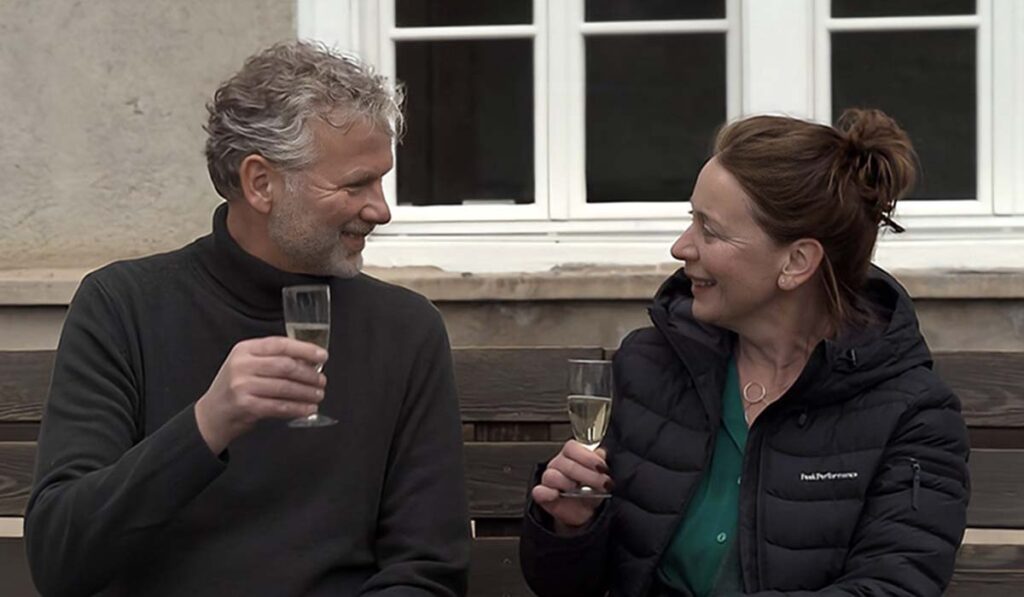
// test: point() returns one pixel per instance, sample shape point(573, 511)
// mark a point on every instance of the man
point(165, 466)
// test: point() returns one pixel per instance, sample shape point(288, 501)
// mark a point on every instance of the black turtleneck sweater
point(129, 500)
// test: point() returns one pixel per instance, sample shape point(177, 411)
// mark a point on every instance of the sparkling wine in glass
point(307, 317)
point(590, 408)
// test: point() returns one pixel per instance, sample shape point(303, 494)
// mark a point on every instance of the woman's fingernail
point(602, 468)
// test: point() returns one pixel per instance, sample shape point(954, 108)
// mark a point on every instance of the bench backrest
point(513, 414)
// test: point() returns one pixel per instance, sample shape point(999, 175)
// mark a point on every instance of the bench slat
point(528, 384)
point(494, 569)
point(15, 580)
point(988, 571)
point(16, 462)
point(997, 489)
point(514, 384)
point(24, 381)
point(497, 475)
point(981, 570)
point(989, 384)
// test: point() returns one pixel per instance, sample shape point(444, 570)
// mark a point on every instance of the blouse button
point(721, 537)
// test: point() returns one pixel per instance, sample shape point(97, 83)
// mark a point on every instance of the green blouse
point(702, 555)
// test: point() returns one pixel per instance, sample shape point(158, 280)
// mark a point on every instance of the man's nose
point(376, 210)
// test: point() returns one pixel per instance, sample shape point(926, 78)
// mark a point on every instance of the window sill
point(55, 287)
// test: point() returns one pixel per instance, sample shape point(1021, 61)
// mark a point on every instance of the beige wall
point(102, 104)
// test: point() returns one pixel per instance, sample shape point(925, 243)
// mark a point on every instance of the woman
point(779, 429)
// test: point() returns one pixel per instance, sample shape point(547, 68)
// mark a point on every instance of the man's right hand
point(574, 466)
point(263, 378)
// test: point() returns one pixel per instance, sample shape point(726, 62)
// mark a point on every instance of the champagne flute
point(590, 408)
point(307, 317)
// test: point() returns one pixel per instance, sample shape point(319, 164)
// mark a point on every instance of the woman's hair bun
point(876, 163)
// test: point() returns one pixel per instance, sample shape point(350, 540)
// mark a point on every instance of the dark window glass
point(926, 81)
point(901, 8)
point(653, 10)
point(456, 13)
point(469, 112)
point(653, 104)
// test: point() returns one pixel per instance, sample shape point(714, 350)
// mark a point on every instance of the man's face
point(322, 217)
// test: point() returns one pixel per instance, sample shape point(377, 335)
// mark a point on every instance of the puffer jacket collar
point(837, 369)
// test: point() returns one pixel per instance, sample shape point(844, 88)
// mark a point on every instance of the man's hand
point(263, 378)
point(574, 466)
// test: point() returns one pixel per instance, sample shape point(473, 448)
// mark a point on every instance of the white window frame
point(387, 33)
point(980, 23)
point(568, 102)
point(560, 228)
point(560, 205)
point(1008, 107)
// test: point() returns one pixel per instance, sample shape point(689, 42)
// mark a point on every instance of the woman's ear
point(258, 179)
point(802, 263)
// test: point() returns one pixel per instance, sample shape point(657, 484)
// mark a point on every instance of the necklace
point(759, 388)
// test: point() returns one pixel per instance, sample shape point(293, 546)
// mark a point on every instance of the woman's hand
point(574, 466)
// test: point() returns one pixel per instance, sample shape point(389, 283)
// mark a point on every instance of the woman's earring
point(784, 282)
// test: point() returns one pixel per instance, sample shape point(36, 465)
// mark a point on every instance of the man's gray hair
point(265, 107)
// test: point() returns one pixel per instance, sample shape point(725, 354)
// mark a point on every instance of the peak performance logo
point(828, 476)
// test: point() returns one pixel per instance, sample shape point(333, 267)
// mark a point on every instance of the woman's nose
point(684, 249)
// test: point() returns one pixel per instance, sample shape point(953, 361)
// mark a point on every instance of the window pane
point(652, 107)
point(926, 81)
point(470, 122)
point(901, 8)
point(454, 13)
point(651, 10)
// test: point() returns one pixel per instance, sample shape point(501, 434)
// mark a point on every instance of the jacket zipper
point(646, 585)
point(915, 481)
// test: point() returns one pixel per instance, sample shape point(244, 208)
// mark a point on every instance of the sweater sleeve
point(101, 491)
point(914, 518)
point(422, 539)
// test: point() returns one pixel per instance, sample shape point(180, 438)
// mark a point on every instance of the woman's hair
point(837, 185)
point(264, 109)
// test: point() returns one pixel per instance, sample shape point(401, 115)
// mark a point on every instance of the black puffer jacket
point(854, 483)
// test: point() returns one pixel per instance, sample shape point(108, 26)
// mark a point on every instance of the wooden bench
point(514, 416)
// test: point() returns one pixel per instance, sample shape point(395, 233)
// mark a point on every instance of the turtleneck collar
point(253, 284)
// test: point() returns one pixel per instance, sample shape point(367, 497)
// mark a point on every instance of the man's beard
point(312, 247)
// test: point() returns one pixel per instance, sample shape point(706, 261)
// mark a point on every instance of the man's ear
point(802, 263)
point(259, 179)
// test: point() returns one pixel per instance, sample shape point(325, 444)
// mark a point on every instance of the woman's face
point(733, 264)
